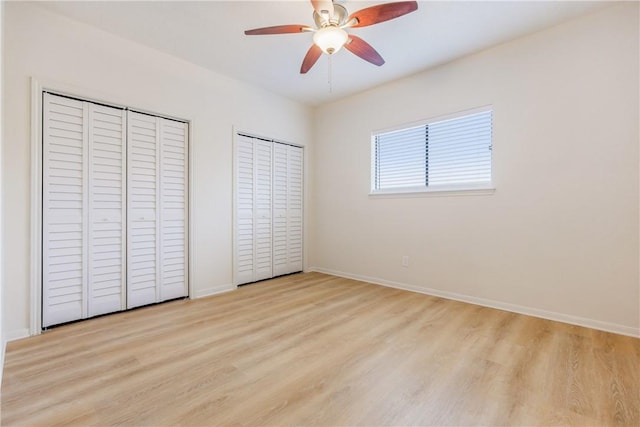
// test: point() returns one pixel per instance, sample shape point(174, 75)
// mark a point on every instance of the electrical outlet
point(405, 261)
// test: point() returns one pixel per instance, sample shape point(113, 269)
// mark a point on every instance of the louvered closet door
point(244, 183)
point(262, 215)
point(64, 207)
point(287, 209)
point(83, 218)
point(173, 209)
point(280, 203)
point(253, 192)
point(143, 204)
point(157, 201)
point(295, 187)
point(106, 264)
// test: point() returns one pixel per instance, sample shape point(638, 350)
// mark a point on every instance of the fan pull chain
point(330, 75)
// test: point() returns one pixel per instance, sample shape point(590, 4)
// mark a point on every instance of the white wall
point(2, 333)
point(53, 48)
point(559, 238)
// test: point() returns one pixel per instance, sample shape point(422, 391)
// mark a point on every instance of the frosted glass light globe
point(330, 39)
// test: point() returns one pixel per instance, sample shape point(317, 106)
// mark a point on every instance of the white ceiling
point(210, 34)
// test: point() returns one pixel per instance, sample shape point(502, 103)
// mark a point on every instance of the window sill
point(432, 192)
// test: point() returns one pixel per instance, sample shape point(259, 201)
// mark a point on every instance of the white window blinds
point(401, 158)
point(452, 153)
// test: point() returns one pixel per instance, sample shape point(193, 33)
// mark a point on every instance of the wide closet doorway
point(114, 209)
point(268, 226)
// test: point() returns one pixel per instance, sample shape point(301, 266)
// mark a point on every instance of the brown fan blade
point(278, 29)
point(320, 5)
point(383, 12)
point(361, 48)
point(310, 58)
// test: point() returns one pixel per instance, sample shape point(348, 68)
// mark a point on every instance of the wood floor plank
point(313, 349)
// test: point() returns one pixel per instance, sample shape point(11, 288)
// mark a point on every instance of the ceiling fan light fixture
point(329, 35)
point(330, 39)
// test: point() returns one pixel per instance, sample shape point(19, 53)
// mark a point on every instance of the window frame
point(482, 188)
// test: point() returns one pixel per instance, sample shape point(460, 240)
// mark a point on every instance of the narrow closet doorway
point(268, 208)
point(114, 209)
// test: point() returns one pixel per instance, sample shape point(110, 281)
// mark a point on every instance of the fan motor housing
point(339, 17)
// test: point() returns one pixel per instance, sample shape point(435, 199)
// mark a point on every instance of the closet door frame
point(38, 87)
point(237, 133)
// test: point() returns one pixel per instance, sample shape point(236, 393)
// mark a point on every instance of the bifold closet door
point(287, 208)
point(106, 238)
point(83, 217)
point(173, 209)
point(157, 203)
point(253, 179)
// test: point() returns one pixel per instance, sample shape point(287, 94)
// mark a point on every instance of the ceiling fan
point(329, 34)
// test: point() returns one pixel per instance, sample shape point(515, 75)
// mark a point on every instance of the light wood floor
point(313, 349)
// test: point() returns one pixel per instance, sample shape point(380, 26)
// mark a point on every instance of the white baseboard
point(515, 308)
point(214, 290)
point(16, 334)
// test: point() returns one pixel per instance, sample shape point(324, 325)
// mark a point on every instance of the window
point(452, 153)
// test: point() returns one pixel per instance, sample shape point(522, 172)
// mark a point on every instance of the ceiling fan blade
point(361, 48)
point(383, 12)
point(278, 29)
point(323, 5)
point(310, 58)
